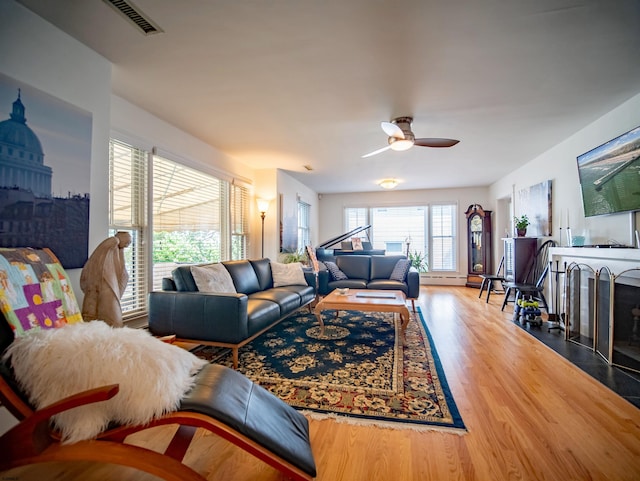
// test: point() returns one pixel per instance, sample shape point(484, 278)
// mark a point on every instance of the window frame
point(362, 215)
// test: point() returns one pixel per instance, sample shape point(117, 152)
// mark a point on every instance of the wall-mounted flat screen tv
point(610, 176)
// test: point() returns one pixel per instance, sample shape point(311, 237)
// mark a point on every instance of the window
point(443, 237)
point(356, 217)
point(239, 222)
point(128, 212)
point(398, 229)
point(304, 225)
point(193, 217)
point(187, 217)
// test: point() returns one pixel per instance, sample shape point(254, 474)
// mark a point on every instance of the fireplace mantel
point(616, 259)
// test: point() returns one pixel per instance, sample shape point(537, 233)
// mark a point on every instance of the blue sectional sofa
point(226, 319)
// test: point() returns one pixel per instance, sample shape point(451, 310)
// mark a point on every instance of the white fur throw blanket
point(54, 363)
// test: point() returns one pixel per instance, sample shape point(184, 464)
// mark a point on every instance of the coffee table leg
point(318, 314)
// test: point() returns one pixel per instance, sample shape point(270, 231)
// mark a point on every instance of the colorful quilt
point(35, 292)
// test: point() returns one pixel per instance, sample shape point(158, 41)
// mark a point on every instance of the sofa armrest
point(310, 277)
point(199, 315)
point(413, 283)
point(323, 282)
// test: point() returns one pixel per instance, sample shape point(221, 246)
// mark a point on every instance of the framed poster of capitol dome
point(45, 167)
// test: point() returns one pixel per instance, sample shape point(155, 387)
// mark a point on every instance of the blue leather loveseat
point(368, 272)
point(226, 319)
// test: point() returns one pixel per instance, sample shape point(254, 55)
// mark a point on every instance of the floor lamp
point(263, 207)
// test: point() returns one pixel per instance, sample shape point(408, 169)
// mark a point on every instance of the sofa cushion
point(261, 313)
point(287, 300)
point(334, 270)
point(213, 278)
point(306, 293)
point(244, 276)
point(382, 266)
point(355, 267)
point(287, 274)
point(350, 283)
point(262, 267)
point(183, 279)
point(388, 284)
point(400, 270)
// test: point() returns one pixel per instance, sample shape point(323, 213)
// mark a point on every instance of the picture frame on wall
point(535, 203)
point(45, 171)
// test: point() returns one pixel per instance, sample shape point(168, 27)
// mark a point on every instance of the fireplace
point(602, 312)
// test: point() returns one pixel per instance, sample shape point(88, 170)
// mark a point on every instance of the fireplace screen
point(626, 320)
point(579, 324)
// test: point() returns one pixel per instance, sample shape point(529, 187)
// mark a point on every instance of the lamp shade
point(263, 205)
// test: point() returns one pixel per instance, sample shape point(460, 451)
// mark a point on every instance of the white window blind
point(128, 212)
point(392, 227)
point(188, 216)
point(304, 225)
point(396, 229)
point(239, 222)
point(355, 217)
point(443, 237)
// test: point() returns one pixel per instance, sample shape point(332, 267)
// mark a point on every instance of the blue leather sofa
point(227, 320)
point(369, 272)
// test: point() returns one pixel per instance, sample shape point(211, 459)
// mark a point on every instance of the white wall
point(37, 53)
point(137, 125)
point(559, 164)
point(290, 191)
point(332, 216)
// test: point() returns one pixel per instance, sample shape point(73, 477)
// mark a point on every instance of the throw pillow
point(400, 270)
point(287, 274)
point(334, 270)
point(357, 243)
point(153, 375)
point(213, 278)
point(35, 292)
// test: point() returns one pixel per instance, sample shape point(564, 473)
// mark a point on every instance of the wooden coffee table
point(366, 300)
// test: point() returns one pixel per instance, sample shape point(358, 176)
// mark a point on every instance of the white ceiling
point(289, 83)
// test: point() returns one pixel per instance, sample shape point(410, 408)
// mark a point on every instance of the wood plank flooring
point(530, 415)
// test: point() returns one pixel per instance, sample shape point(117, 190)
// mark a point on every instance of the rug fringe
point(394, 425)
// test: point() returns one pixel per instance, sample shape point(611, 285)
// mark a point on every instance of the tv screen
point(610, 176)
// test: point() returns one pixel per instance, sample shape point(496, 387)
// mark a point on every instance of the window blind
point(128, 212)
point(443, 237)
point(239, 204)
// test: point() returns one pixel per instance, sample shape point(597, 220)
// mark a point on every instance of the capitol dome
point(15, 132)
point(21, 155)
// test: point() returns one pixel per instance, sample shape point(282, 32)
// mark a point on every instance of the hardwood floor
point(530, 415)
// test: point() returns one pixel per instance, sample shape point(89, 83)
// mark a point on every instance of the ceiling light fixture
point(388, 183)
point(401, 144)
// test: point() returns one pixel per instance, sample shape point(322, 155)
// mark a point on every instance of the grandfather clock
point(478, 244)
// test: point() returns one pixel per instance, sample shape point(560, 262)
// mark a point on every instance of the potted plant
point(296, 256)
point(418, 261)
point(521, 223)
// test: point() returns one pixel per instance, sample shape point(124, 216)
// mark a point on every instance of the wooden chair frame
point(33, 440)
point(489, 279)
point(534, 282)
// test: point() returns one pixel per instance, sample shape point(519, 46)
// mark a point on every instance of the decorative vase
point(521, 232)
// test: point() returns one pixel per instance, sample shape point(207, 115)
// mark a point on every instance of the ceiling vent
point(136, 16)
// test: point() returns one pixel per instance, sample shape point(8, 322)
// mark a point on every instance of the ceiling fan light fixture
point(388, 183)
point(401, 144)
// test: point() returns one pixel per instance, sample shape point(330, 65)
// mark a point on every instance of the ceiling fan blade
point(392, 130)
point(376, 152)
point(435, 142)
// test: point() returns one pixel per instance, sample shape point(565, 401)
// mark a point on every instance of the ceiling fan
point(401, 137)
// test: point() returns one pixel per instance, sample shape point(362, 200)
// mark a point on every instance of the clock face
point(476, 223)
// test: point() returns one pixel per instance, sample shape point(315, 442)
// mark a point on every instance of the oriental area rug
point(359, 371)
